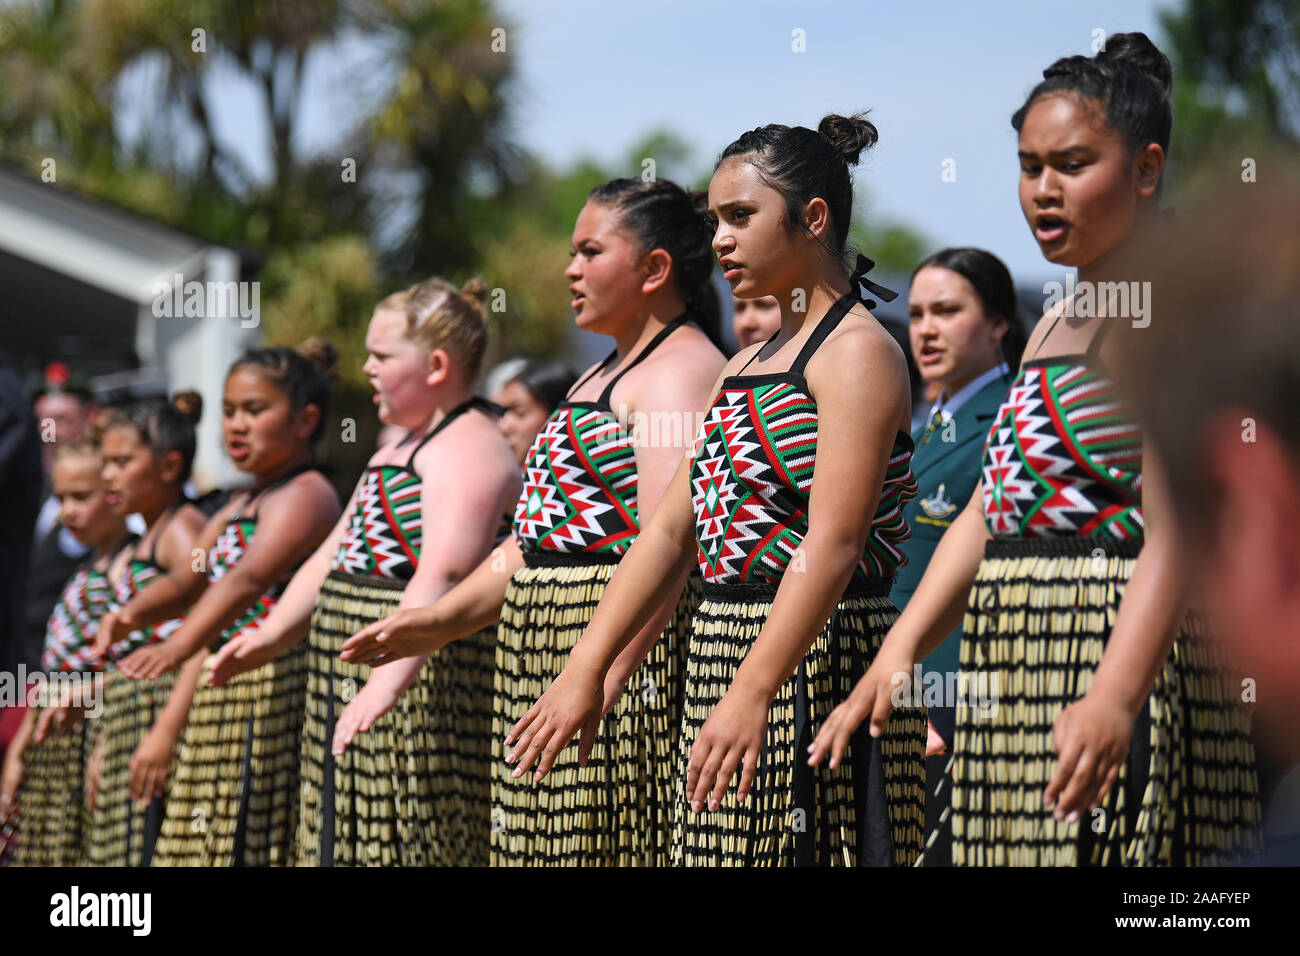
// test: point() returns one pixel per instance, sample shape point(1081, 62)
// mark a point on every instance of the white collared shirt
point(948, 405)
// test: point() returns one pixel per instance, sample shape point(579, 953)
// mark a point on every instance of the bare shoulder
point(1040, 330)
point(692, 351)
point(473, 441)
point(310, 488)
point(681, 371)
point(189, 521)
point(177, 539)
point(227, 511)
point(858, 342)
point(860, 367)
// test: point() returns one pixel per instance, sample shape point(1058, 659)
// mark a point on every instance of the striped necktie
point(936, 422)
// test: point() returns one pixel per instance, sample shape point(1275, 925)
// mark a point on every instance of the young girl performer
point(1069, 635)
point(797, 483)
point(47, 756)
point(234, 793)
point(148, 450)
point(595, 472)
point(395, 759)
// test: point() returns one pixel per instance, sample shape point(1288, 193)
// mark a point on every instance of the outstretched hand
point(150, 663)
point(873, 698)
point(407, 633)
point(372, 702)
point(730, 740)
point(1091, 737)
point(572, 705)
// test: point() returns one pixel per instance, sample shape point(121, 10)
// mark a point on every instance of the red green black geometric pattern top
point(225, 554)
point(385, 525)
point(580, 483)
point(752, 474)
point(580, 479)
point(1064, 456)
point(383, 535)
point(139, 574)
point(71, 629)
point(752, 477)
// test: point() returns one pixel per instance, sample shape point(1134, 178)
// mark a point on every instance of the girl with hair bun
point(148, 451)
point(45, 762)
point(237, 768)
point(394, 759)
point(593, 476)
point(1115, 738)
point(791, 509)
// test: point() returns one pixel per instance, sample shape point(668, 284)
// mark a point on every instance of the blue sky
point(940, 78)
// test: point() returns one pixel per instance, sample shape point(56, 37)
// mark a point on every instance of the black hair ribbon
point(859, 278)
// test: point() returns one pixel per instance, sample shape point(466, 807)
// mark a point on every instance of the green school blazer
point(947, 469)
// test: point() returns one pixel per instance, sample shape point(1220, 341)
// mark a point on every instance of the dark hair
point(164, 426)
point(547, 382)
point(304, 375)
point(991, 280)
point(802, 164)
point(1130, 78)
point(659, 214)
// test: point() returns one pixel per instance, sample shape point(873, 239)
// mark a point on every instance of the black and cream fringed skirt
point(617, 810)
point(869, 811)
point(49, 825)
point(234, 793)
point(1039, 617)
point(412, 790)
point(122, 833)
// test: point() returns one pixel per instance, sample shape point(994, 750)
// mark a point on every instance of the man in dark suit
point(65, 409)
point(20, 484)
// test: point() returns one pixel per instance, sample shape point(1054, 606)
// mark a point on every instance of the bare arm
point(151, 760)
point(292, 521)
point(672, 404)
point(167, 596)
point(455, 536)
point(939, 604)
point(1092, 735)
point(290, 619)
point(462, 510)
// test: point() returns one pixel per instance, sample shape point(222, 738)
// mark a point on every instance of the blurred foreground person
point(1215, 378)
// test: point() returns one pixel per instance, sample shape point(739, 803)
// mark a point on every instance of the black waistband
point(567, 559)
point(367, 581)
point(1062, 547)
point(857, 587)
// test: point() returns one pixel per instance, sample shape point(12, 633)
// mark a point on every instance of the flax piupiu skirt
point(120, 832)
point(413, 789)
point(1038, 620)
point(234, 794)
point(617, 810)
point(50, 821)
point(869, 811)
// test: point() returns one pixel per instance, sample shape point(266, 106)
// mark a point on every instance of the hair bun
point(1137, 50)
point(190, 404)
point(323, 354)
point(475, 292)
point(850, 135)
point(99, 424)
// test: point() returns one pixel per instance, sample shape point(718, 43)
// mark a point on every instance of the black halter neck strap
point(474, 402)
point(653, 344)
